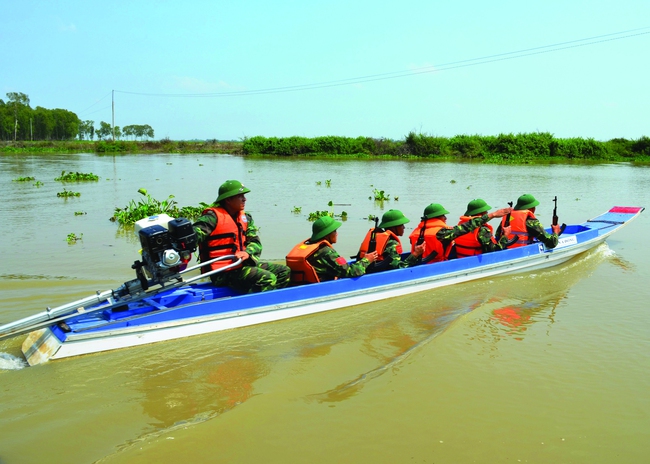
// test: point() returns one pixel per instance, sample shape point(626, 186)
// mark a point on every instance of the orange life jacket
point(432, 244)
point(518, 220)
point(302, 272)
point(226, 239)
point(468, 244)
point(382, 239)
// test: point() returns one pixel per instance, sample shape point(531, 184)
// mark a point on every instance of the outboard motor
point(183, 237)
point(165, 252)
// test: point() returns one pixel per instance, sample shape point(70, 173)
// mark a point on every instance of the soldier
point(439, 237)
point(315, 260)
point(385, 240)
point(480, 240)
point(526, 226)
point(225, 229)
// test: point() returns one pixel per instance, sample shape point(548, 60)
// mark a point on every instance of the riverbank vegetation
point(41, 130)
point(120, 147)
point(502, 149)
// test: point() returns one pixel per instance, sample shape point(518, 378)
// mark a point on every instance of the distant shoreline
point(534, 148)
point(119, 146)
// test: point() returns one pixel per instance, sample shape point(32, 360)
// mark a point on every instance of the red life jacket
point(382, 239)
point(432, 244)
point(518, 220)
point(302, 272)
point(226, 239)
point(468, 244)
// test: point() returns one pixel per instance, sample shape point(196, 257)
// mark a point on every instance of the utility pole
point(113, 105)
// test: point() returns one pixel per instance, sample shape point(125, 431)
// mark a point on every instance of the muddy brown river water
point(546, 367)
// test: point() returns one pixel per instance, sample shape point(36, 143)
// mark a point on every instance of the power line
point(97, 110)
point(95, 104)
point(427, 69)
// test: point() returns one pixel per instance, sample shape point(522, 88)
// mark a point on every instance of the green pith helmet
point(322, 227)
point(434, 210)
point(230, 188)
point(526, 201)
point(477, 206)
point(392, 218)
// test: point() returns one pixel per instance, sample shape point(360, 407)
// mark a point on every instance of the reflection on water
point(392, 341)
point(519, 302)
point(181, 394)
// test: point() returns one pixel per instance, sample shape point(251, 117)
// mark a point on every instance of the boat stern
point(40, 346)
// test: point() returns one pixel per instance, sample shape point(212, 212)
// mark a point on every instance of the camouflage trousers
point(253, 279)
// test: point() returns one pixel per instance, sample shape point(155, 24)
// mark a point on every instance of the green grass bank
point(500, 149)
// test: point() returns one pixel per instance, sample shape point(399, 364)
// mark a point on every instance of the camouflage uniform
point(254, 276)
point(484, 237)
point(391, 259)
point(328, 264)
point(447, 235)
point(536, 230)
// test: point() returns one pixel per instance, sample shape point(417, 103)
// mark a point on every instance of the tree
point(128, 131)
point(138, 130)
point(148, 131)
point(66, 124)
point(104, 130)
point(19, 101)
point(43, 123)
point(86, 129)
point(6, 121)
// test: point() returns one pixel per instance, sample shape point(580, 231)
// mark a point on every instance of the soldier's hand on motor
point(372, 257)
point(556, 228)
point(499, 213)
point(242, 255)
point(418, 250)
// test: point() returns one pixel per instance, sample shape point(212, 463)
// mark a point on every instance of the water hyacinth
point(150, 206)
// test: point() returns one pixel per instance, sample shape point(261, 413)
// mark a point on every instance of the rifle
point(429, 257)
point(505, 224)
point(555, 218)
point(422, 230)
point(372, 244)
point(515, 238)
point(508, 216)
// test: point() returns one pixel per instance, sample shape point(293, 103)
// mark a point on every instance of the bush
point(642, 146)
point(426, 146)
point(504, 148)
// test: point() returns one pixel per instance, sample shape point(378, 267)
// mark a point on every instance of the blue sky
point(438, 68)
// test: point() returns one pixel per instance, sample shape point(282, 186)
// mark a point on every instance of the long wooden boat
point(136, 315)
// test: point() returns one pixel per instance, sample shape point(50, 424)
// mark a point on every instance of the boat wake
point(9, 362)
